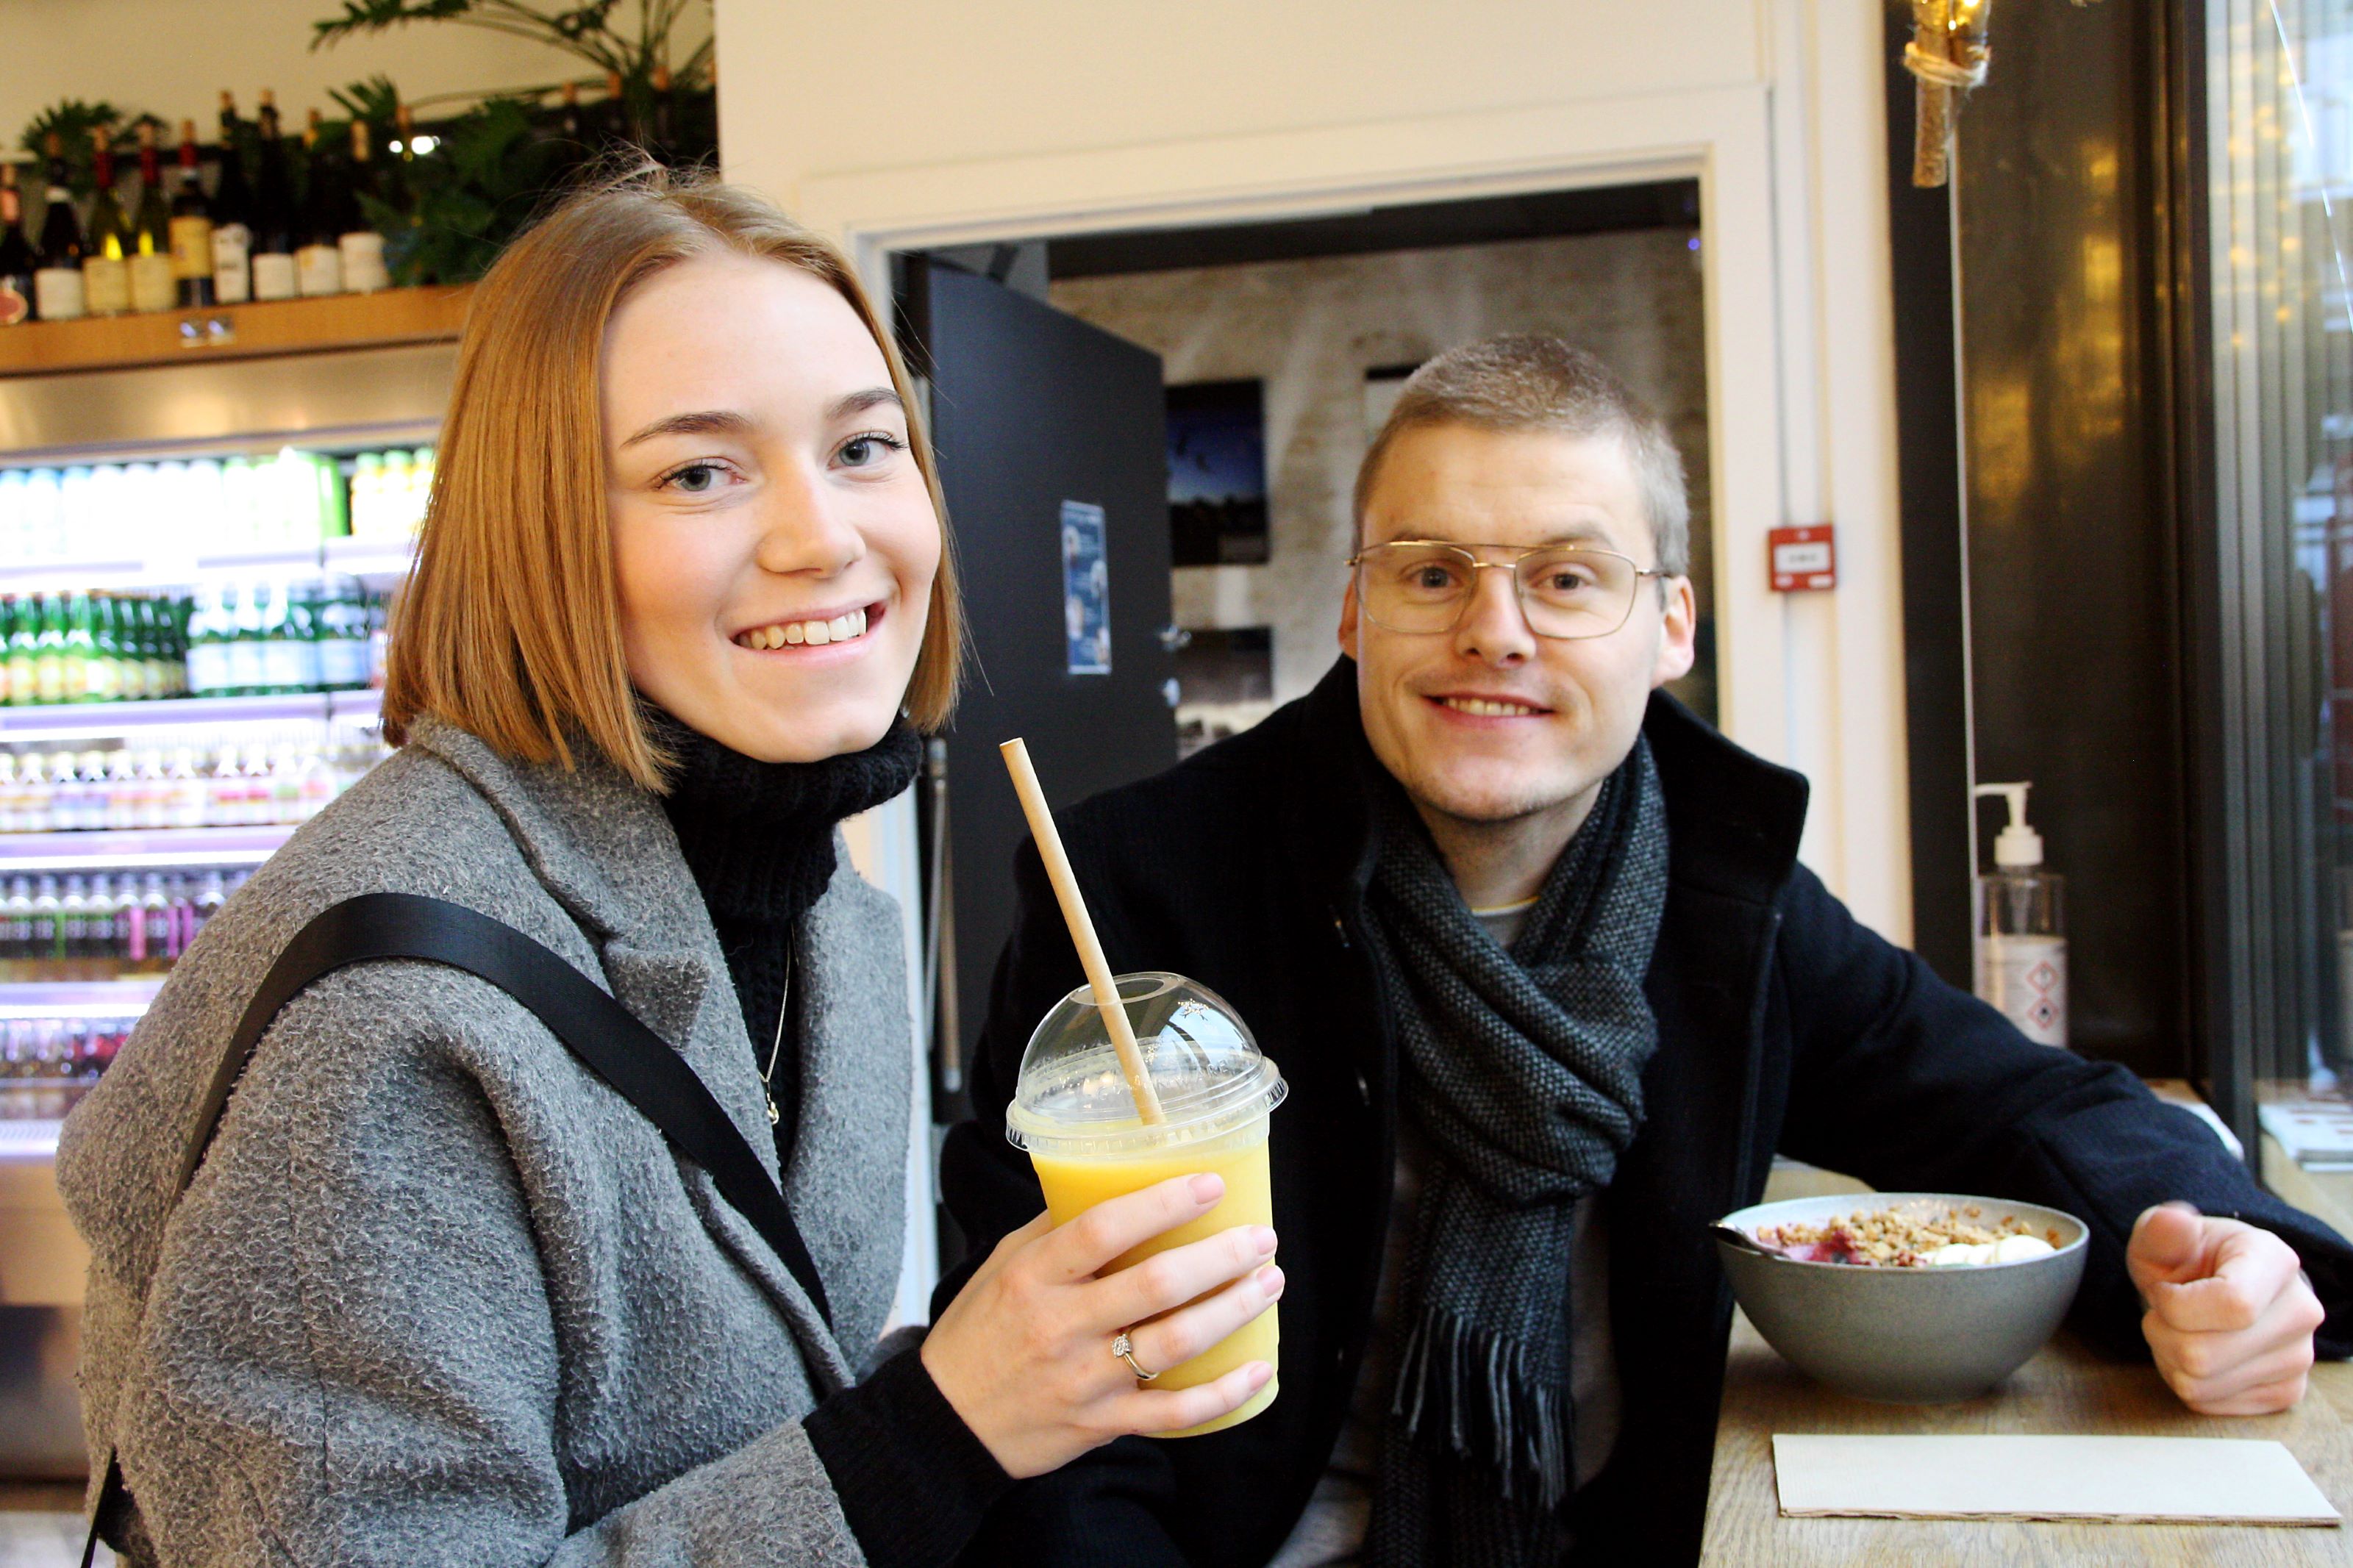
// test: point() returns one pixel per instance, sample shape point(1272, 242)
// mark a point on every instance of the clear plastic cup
point(1074, 1114)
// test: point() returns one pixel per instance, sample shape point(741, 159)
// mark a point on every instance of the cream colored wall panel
point(173, 58)
point(827, 90)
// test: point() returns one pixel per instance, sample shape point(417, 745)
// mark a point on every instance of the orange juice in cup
point(1073, 1111)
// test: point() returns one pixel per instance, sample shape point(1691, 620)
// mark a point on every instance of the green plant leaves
point(486, 177)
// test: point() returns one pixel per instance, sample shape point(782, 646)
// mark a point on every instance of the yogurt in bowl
point(1864, 1292)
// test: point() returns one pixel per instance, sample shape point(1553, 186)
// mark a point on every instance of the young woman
point(436, 1293)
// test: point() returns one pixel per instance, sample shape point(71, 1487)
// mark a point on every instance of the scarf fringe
point(1479, 1389)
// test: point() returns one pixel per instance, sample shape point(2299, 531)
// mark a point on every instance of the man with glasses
point(1533, 947)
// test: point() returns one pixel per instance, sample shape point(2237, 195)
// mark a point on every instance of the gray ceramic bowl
point(1904, 1336)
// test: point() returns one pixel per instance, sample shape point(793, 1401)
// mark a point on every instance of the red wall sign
point(1802, 558)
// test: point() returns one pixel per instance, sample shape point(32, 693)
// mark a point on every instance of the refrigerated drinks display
point(198, 562)
point(189, 675)
point(186, 681)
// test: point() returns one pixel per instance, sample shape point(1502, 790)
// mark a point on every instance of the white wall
point(173, 58)
point(947, 122)
point(931, 81)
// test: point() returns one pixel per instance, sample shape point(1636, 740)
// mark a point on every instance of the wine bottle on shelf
point(154, 285)
point(361, 245)
point(232, 212)
point(57, 267)
point(397, 178)
point(191, 228)
point(319, 261)
point(275, 273)
point(105, 263)
point(16, 264)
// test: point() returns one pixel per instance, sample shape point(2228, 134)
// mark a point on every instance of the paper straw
point(1082, 930)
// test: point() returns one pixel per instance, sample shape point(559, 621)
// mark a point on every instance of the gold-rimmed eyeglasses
point(1566, 591)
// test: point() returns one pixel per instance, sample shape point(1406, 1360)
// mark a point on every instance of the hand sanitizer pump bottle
point(2022, 943)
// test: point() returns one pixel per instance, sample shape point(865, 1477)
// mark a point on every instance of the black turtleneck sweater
point(759, 839)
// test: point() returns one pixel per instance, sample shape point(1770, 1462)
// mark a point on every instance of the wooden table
point(2063, 1391)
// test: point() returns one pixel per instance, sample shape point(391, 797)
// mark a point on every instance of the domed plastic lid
point(1072, 1100)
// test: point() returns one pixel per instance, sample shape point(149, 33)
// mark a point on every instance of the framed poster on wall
point(1217, 473)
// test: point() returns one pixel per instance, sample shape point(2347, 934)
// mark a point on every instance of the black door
point(1053, 455)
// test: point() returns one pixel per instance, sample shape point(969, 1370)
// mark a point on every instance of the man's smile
point(1479, 705)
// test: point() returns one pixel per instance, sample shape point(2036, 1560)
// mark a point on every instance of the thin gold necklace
point(784, 1005)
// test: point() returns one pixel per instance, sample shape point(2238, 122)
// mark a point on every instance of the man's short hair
point(1523, 380)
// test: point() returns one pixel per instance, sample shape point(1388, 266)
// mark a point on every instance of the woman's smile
point(804, 634)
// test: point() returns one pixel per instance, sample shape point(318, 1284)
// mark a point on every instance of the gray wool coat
point(436, 1295)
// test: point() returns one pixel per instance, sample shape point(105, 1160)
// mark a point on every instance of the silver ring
point(1125, 1350)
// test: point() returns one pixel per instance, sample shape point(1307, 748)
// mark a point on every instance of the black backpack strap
point(631, 1059)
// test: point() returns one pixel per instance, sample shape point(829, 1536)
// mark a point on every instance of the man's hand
point(2230, 1317)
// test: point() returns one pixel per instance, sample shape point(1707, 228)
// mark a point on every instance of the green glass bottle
point(136, 628)
point(49, 650)
point(7, 673)
point(205, 664)
point(247, 643)
point(104, 681)
point(23, 668)
point(121, 625)
point(175, 642)
point(310, 615)
point(81, 648)
point(156, 624)
point(267, 613)
point(220, 634)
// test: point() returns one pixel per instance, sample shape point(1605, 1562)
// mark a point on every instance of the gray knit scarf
point(1524, 1070)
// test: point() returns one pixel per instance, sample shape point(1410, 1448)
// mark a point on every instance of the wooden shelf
point(236, 332)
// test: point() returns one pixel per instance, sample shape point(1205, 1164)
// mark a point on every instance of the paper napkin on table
point(2218, 1480)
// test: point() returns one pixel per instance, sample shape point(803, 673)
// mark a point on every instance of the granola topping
point(1911, 1235)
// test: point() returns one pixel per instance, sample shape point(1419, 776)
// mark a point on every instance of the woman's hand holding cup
point(1024, 1352)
